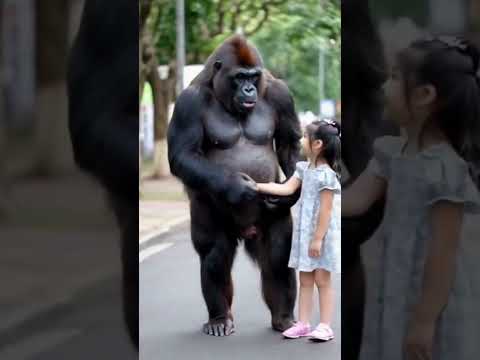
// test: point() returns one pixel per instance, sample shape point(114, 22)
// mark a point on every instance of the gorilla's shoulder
point(277, 91)
point(194, 95)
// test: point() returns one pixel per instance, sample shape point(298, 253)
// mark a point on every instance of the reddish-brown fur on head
point(245, 54)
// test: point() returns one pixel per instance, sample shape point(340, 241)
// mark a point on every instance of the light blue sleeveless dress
point(314, 180)
point(395, 256)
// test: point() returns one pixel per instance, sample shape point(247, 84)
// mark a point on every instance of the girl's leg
point(324, 284)
point(307, 280)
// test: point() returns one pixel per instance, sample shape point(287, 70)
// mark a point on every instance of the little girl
point(420, 304)
point(316, 237)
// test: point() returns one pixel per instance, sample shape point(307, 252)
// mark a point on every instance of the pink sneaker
point(298, 330)
point(322, 333)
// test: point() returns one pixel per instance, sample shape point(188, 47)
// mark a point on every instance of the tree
point(287, 33)
point(162, 89)
point(291, 47)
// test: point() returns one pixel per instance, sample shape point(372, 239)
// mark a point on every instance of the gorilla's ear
point(217, 65)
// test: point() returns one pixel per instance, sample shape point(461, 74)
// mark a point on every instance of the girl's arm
point(324, 213)
point(287, 188)
point(365, 191)
point(439, 271)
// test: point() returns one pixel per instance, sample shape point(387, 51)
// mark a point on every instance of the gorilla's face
point(237, 88)
point(244, 84)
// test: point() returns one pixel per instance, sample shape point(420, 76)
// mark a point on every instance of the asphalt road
point(172, 311)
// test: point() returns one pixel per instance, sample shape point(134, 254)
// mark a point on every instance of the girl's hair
point(451, 65)
point(329, 133)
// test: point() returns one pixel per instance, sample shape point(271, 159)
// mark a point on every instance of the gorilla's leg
point(217, 289)
point(279, 286)
point(217, 251)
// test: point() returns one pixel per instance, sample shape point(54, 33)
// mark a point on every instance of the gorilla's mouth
point(249, 104)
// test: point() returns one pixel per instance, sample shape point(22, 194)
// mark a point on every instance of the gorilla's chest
point(224, 130)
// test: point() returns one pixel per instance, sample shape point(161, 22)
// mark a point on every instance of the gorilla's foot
point(282, 323)
point(222, 327)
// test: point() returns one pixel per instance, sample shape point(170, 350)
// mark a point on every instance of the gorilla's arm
point(287, 132)
point(103, 98)
point(185, 154)
point(287, 137)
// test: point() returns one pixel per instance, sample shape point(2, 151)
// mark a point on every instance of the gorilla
point(234, 119)
point(103, 122)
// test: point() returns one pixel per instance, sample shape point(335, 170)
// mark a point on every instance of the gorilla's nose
point(248, 90)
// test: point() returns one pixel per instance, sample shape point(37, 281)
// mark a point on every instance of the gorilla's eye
point(217, 65)
point(240, 76)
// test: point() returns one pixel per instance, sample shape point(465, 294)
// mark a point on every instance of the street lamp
point(180, 44)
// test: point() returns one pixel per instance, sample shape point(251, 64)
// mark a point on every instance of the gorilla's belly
point(258, 161)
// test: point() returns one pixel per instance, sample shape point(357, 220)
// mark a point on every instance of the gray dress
point(395, 256)
point(314, 180)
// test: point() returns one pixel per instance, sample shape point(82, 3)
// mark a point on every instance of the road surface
point(172, 311)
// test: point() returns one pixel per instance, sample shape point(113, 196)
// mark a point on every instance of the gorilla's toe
point(219, 327)
point(283, 323)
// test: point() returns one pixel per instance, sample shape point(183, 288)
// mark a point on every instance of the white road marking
point(145, 254)
point(154, 234)
point(164, 229)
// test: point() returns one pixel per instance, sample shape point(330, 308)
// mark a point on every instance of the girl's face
point(396, 108)
point(311, 148)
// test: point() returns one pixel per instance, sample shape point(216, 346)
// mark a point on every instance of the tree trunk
point(162, 91)
point(161, 101)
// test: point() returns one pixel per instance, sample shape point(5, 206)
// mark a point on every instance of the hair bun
point(334, 124)
point(462, 45)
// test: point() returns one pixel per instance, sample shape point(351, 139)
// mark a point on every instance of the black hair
point(451, 65)
point(329, 132)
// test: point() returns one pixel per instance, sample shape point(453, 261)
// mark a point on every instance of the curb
point(154, 235)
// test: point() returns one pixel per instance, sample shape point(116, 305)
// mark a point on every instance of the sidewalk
point(163, 204)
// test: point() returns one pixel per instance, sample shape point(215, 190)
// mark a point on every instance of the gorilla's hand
point(248, 180)
point(241, 188)
point(281, 203)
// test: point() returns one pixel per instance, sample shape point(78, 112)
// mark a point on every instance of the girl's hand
point(419, 339)
point(315, 248)
point(285, 189)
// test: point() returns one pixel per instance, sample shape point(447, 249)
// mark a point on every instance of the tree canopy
point(288, 34)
